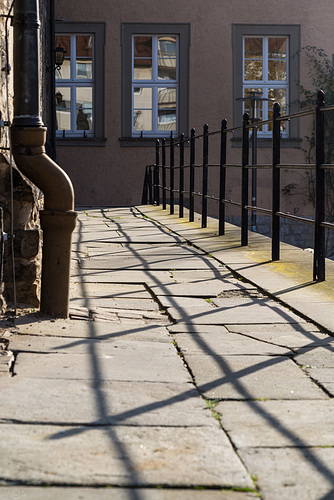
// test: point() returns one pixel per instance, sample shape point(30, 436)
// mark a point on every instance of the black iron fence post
point(205, 176)
point(244, 180)
point(222, 177)
point(156, 173)
point(150, 183)
point(171, 175)
point(163, 172)
point(144, 198)
point(181, 179)
point(275, 219)
point(319, 232)
point(192, 176)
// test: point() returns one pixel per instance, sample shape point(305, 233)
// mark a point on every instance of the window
point(265, 75)
point(155, 81)
point(79, 82)
point(266, 65)
point(154, 84)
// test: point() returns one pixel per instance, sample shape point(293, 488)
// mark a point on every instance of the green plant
point(321, 76)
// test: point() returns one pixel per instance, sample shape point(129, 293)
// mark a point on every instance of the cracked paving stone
point(125, 456)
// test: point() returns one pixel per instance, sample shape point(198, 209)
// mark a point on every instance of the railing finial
point(320, 98)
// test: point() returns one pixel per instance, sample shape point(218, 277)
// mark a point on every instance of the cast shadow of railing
point(222, 365)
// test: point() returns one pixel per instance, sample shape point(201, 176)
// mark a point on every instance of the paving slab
point(154, 362)
point(123, 456)
point(225, 344)
point(206, 289)
point(201, 275)
point(106, 403)
point(45, 344)
point(231, 310)
point(322, 376)
point(149, 262)
point(158, 493)
point(316, 357)
point(258, 424)
point(118, 315)
point(142, 304)
point(90, 329)
point(186, 303)
point(106, 290)
point(251, 377)
point(140, 237)
point(296, 473)
point(294, 335)
point(123, 276)
point(135, 250)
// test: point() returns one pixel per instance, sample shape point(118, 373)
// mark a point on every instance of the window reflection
point(63, 108)
point(253, 48)
point(167, 46)
point(142, 97)
point(142, 119)
point(154, 65)
point(64, 72)
point(142, 46)
point(84, 105)
point(167, 120)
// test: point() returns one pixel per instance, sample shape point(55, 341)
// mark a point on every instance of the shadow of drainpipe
point(28, 137)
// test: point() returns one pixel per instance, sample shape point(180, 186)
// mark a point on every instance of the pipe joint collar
point(28, 137)
point(58, 220)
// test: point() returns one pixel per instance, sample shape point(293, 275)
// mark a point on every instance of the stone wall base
point(27, 201)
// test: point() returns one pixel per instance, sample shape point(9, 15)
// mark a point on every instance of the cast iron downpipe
point(28, 140)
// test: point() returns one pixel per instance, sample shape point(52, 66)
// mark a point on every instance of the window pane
point(84, 45)
point(253, 48)
point(277, 48)
point(167, 68)
point(63, 108)
point(250, 107)
point(167, 46)
point(142, 69)
point(276, 70)
point(279, 95)
point(253, 70)
point(142, 120)
point(142, 98)
point(63, 97)
point(167, 120)
point(84, 108)
point(167, 98)
point(142, 46)
point(64, 73)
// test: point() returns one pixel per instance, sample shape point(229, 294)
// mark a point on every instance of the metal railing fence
point(155, 184)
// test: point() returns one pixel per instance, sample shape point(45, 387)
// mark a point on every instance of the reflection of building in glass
point(155, 62)
point(74, 93)
point(265, 71)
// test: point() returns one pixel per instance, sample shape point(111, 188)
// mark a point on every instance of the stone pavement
point(189, 369)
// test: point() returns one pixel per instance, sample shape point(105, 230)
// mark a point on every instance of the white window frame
point(293, 32)
point(73, 83)
point(155, 84)
point(265, 84)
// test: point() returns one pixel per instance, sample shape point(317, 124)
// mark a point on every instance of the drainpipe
point(28, 142)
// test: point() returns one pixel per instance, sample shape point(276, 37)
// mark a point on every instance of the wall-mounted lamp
point(59, 56)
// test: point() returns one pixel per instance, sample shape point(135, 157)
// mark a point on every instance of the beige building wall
point(113, 174)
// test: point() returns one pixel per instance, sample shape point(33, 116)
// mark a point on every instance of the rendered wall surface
point(113, 174)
